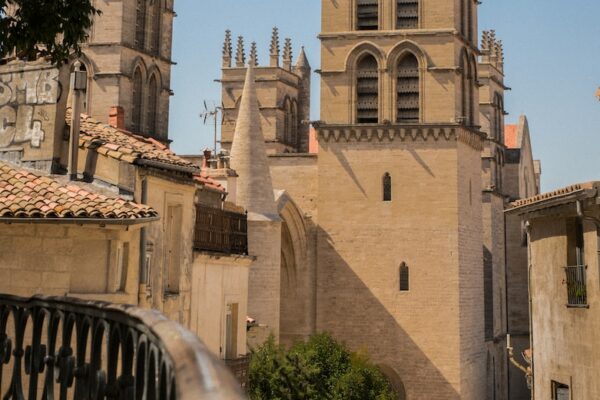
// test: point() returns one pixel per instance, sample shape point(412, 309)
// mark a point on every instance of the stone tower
point(399, 191)
point(254, 192)
point(491, 102)
point(128, 61)
point(283, 94)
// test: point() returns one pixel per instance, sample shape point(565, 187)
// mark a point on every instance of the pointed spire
point(240, 55)
point(253, 55)
point(274, 49)
point(249, 156)
point(302, 62)
point(227, 49)
point(287, 54)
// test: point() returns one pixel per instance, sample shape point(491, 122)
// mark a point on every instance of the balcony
point(220, 231)
point(576, 286)
point(66, 348)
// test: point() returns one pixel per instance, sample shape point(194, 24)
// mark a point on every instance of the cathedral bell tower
point(399, 191)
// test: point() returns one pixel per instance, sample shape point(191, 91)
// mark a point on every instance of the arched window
point(469, 27)
point(136, 109)
point(287, 121)
point(367, 15)
point(154, 27)
point(408, 89)
point(404, 278)
point(85, 99)
point(153, 91)
point(140, 24)
point(294, 128)
point(387, 187)
point(467, 91)
point(407, 14)
point(472, 84)
point(367, 90)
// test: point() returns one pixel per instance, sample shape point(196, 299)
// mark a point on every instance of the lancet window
point(408, 90)
point(153, 91)
point(407, 14)
point(367, 88)
point(154, 28)
point(136, 114)
point(140, 24)
point(367, 15)
point(387, 187)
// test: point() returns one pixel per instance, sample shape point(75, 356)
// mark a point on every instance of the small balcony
point(576, 286)
point(220, 231)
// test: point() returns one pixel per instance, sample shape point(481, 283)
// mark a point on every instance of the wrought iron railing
point(220, 231)
point(240, 367)
point(576, 286)
point(63, 348)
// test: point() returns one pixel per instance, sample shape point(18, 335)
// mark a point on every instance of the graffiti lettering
point(24, 94)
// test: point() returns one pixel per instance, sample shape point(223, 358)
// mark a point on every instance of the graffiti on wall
point(24, 96)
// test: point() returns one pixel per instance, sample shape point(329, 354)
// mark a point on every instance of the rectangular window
point(231, 331)
point(560, 391)
point(404, 278)
point(407, 14)
point(367, 15)
point(575, 270)
point(173, 254)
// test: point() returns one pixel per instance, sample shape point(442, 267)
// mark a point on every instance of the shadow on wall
point(349, 310)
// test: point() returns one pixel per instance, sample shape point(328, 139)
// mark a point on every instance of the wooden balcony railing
point(220, 231)
point(64, 348)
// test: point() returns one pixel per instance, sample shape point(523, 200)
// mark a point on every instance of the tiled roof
point(511, 133)
point(555, 194)
point(209, 182)
point(24, 194)
point(126, 146)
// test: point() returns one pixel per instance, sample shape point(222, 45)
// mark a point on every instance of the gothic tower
point(283, 94)
point(128, 61)
point(399, 200)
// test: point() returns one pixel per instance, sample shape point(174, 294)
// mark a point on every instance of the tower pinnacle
point(227, 50)
point(274, 49)
point(287, 54)
point(240, 55)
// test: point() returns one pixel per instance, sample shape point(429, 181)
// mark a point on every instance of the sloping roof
point(25, 194)
point(126, 146)
point(208, 182)
point(511, 133)
point(556, 194)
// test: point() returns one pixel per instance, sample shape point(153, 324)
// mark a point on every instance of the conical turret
point(249, 156)
point(302, 63)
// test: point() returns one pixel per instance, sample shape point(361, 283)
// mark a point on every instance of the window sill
point(171, 295)
point(578, 306)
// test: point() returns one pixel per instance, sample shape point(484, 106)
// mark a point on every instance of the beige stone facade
point(563, 291)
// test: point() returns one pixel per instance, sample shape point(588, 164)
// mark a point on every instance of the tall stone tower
point(283, 92)
point(399, 191)
point(128, 61)
point(491, 101)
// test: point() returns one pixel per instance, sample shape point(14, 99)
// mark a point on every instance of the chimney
point(207, 156)
point(116, 117)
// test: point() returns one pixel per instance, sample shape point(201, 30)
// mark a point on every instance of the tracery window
point(367, 88)
point(387, 187)
point(407, 14)
point(140, 24)
point(367, 15)
point(408, 90)
point(152, 105)
point(136, 113)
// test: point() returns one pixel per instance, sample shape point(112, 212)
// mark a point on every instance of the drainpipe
point(529, 285)
point(143, 234)
point(78, 85)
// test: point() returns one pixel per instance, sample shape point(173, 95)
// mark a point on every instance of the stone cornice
point(414, 133)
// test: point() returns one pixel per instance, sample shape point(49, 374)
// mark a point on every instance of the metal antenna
point(213, 113)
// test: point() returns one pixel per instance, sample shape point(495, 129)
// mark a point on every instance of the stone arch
point(360, 50)
point(408, 46)
point(394, 380)
point(90, 68)
point(138, 62)
point(294, 302)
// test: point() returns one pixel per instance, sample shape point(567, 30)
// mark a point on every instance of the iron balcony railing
point(63, 348)
point(576, 286)
point(220, 231)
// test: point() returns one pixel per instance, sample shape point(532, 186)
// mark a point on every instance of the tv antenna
point(212, 113)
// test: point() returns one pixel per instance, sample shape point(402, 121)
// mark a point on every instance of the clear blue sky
point(552, 50)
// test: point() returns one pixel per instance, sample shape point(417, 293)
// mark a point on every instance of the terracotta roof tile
point(207, 181)
point(124, 145)
point(36, 196)
point(554, 194)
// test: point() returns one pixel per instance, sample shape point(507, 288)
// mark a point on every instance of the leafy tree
point(320, 368)
point(44, 28)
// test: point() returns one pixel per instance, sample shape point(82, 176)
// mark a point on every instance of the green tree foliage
point(318, 369)
point(44, 28)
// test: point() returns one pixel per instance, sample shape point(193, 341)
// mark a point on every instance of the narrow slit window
point(367, 87)
point(136, 115)
point(367, 15)
point(408, 90)
point(407, 14)
point(404, 278)
point(152, 105)
point(387, 187)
